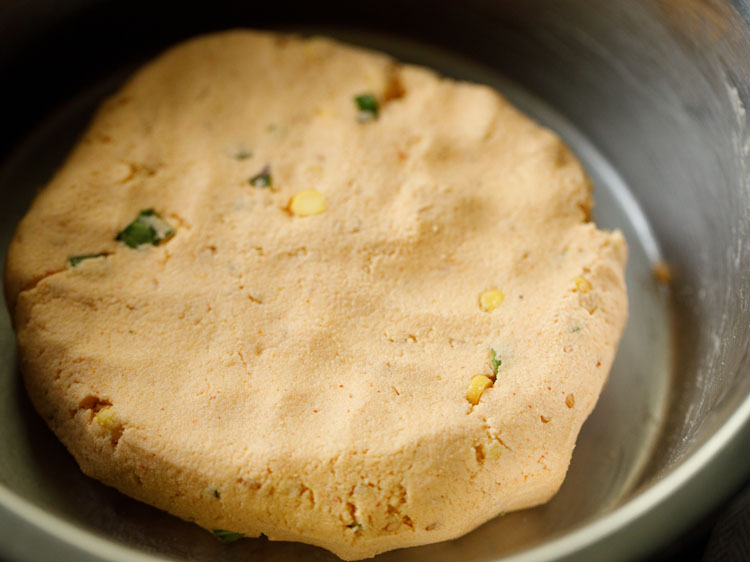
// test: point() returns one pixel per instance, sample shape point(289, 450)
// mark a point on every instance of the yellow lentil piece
point(307, 203)
point(494, 450)
point(478, 384)
point(662, 273)
point(490, 300)
point(107, 418)
point(583, 285)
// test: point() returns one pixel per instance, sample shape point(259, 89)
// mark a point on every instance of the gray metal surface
point(651, 96)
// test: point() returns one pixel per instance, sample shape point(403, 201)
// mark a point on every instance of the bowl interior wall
point(650, 94)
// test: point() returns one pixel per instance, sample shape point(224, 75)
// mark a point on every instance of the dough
point(260, 290)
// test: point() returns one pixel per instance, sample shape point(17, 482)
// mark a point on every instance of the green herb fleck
point(217, 495)
point(576, 329)
point(242, 154)
point(355, 526)
point(368, 107)
point(227, 536)
point(494, 362)
point(263, 178)
point(147, 228)
point(75, 260)
point(137, 233)
point(502, 514)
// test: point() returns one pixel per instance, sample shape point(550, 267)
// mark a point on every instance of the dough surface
point(306, 377)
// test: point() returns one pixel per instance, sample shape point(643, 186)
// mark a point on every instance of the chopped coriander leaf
point(494, 362)
point(217, 495)
point(163, 230)
point(356, 526)
point(147, 228)
point(75, 260)
point(368, 107)
point(242, 154)
point(137, 233)
point(227, 536)
point(263, 178)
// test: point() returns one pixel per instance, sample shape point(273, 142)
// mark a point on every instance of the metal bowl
point(650, 94)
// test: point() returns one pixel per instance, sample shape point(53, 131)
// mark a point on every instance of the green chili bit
point(227, 536)
point(75, 260)
point(494, 362)
point(147, 228)
point(263, 178)
point(368, 107)
point(243, 154)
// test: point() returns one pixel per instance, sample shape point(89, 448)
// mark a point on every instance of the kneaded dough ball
point(292, 287)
